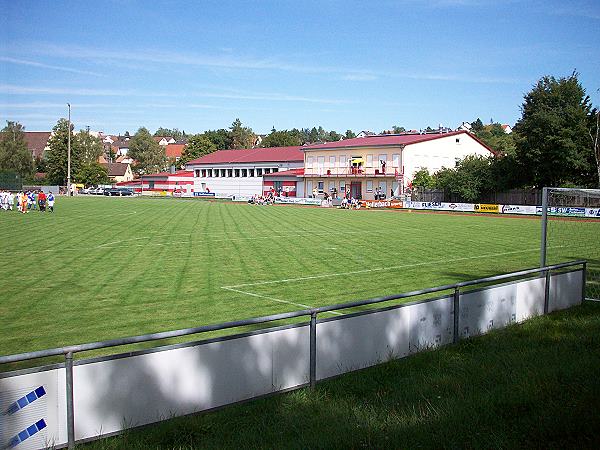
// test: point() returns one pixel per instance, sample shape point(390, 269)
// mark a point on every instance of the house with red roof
point(37, 142)
point(241, 172)
point(174, 151)
point(383, 164)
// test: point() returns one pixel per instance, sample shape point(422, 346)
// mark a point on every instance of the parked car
point(97, 191)
point(114, 192)
point(85, 191)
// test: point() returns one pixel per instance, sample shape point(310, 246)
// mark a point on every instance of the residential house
point(174, 151)
point(118, 172)
point(164, 140)
point(37, 142)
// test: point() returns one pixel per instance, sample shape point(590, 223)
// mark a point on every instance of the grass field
point(101, 268)
point(532, 385)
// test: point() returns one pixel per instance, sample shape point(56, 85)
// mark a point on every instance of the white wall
point(438, 153)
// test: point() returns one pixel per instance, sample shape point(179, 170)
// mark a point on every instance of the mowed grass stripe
point(120, 267)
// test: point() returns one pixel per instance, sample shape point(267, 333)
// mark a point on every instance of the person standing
point(24, 203)
point(42, 201)
point(51, 202)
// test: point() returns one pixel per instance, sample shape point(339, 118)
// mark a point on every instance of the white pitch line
point(274, 299)
point(381, 269)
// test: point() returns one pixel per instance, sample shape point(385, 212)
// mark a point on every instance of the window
point(369, 160)
point(321, 162)
point(150, 184)
point(223, 173)
point(229, 173)
point(332, 161)
point(382, 157)
point(197, 173)
point(203, 173)
point(342, 187)
point(251, 173)
point(331, 186)
point(396, 160)
point(309, 162)
point(278, 185)
point(309, 187)
point(215, 173)
point(267, 171)
point(383, 186)
point(458, 140)
point(320, 187)
point(369, 186)
point(259, 172)
point(343, 161)
point(274, 169)
point(244, 173)
point(237, 173)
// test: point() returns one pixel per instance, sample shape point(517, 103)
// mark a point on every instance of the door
point(356, 189)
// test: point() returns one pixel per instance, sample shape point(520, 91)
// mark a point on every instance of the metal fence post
point(544, 227)
point(583, 282)
point(456, 313)
point(70, 414)
point(313, 349)
point(547, 293)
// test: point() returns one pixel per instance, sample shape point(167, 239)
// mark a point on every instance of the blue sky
point(368, 65)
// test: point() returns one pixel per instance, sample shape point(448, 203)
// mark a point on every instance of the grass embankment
point(533, 385)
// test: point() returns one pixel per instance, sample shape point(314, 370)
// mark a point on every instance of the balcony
point(356, 172)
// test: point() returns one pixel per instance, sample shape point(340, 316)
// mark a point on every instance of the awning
point(357, 160)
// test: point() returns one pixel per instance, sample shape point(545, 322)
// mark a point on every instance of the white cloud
point(48, 66)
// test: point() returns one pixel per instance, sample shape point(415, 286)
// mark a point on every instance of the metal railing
point(69, 351)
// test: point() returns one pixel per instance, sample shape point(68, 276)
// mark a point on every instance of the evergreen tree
point(198, 145)
point(56, 155)
point(241, 137)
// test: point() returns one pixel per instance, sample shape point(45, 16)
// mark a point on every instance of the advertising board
point(568, 211)
point(204, 194)
point(486, 207)
point(298, 201)
point(518, 209)
point(395, 204)
point(592, 212)
point(440, 206)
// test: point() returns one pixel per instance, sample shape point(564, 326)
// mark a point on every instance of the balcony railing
point(351, 172)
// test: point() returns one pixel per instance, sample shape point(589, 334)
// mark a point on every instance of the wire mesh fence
point(573, 231)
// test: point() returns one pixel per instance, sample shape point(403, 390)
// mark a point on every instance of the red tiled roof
point(286, 173)
point(37, 141)
point(174, 150)
point(252, 155)
point(181, 173)
point(382, 139)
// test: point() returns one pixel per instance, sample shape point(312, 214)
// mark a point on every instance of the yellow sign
point(484, 207)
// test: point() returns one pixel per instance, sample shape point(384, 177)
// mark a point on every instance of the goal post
point(570, 229)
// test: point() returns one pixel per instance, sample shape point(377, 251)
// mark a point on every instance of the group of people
point(268, 199)
point(26, 201)
point(350, 203)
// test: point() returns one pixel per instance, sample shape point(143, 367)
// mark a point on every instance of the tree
point(397, 130)
point(496, 138)
point(594, 131)
point(221, 138)
point(149, 156)
point(552, 143)
point(90, 147)
point(282, 138)
point(56, 155)
point(174, 133)
point(349, 134)
point(198, 145)
point(476, 126)
point(469, 180)
point(241, 137)
point(14, 154)
point(422, 179)
point(92, 174)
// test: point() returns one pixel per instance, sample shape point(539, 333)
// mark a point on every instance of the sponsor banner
point(467, 207)
point(592, 212)
point(298, 201)
point(395, 204)
point(568, 211)
point(486, 207)
point(204, 194)
point(518, 209)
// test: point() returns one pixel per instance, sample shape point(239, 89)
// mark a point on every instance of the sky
point(364, 65)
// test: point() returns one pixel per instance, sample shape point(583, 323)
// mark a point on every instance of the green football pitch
point(101, 268)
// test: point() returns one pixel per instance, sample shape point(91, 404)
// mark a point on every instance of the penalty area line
point(275, 299)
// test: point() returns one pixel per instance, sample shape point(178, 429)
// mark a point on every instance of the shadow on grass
point(531, 385)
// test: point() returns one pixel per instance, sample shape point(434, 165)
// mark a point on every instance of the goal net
point(573, 231)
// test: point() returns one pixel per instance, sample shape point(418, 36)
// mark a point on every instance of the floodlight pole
point(69, 154)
